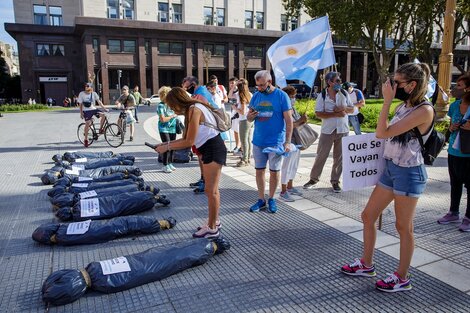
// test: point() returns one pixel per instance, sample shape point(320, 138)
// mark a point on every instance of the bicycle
point(113, 133)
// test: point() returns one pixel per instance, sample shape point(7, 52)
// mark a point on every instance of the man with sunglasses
point(271, 110)
point(333, 107)
point(87, 100)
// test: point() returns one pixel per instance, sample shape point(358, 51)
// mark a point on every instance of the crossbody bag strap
point(416, 130)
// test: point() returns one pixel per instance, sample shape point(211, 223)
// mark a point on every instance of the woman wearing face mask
point(458, 162)
point(245, 126)
point(290, 163)
point(404, 177)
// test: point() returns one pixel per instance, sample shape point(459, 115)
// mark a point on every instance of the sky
point(6, 16)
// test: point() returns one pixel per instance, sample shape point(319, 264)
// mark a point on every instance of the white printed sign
point(363, 161)
point(78, 228)
point(80, 185)
point(116, 265)
point(78, 167)
point(89, 207)
point(72, 172)
point(81, 160)
point(82, 178)
point(88, 194)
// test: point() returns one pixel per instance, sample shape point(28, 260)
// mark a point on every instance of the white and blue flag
point(301, 53)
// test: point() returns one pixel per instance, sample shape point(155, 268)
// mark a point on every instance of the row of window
point(172, 47)
point(41, 12)
point(166, 14)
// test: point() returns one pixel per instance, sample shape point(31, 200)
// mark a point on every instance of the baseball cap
point(346, 85)
point(89, 85)
point(125, 87)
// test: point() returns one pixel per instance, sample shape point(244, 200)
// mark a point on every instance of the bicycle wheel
point(81, 134)
point(113, 135)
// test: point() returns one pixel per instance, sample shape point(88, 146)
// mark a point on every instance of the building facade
point(11, 59)
point(151, 43)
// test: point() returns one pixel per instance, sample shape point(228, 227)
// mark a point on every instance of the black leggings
point(459, 169)
point(167, 157)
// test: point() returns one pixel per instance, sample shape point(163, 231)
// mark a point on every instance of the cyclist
point(87, 100)
point(128, 102)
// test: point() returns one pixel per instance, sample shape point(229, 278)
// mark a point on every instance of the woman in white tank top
point(404, 177)
point(209, 143)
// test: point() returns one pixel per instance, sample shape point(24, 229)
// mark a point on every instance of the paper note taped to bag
point(88, 194)
point(116, 265)
point(363, 161)
point(89, 207)
point(78, 228)
point(81, 160)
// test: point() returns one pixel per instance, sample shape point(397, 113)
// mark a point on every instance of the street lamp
point(446, 58)
point(245, 61)
point(206, 55)
point(98, 87)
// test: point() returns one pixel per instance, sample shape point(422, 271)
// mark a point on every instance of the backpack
point(435, 143)
point(222, 119)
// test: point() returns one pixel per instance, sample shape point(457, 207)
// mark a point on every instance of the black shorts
point(89, 114)
point(213, 150)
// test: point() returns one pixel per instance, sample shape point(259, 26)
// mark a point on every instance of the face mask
point(337, 87)
point(457, 92)
point(190, 89)
point(401, 94)
point(266, 91)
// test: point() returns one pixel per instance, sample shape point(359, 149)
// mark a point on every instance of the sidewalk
point(286, 262)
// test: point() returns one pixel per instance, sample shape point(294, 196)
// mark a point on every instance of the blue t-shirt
point(166, 127)
point(456, 117)
point(270, 127)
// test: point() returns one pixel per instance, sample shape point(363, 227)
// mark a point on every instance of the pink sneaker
point(357, 268)
point(218, 225)
point(206, 232)
point(393, 283)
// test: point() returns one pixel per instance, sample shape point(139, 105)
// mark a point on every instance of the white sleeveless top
point(406, 154)
point(205, 132)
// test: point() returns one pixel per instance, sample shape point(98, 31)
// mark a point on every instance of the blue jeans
point(135, 112)
point(354, 122)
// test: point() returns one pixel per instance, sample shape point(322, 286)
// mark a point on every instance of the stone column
point(142, 67)
point(348, 66)
point(154, 53)
point(364, 72)
point(395, 67)
point(189, 58)
point(104, 79)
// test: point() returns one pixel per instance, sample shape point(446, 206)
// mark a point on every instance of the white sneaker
point(166, 169)
point(172, 167)
point(286, 197)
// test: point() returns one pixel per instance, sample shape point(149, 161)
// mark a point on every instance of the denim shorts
point(261, 159)
point(404, 181)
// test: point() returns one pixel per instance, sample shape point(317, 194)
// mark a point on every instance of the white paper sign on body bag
point(363, 161)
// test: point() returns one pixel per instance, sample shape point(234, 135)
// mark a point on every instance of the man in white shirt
point(333, 106)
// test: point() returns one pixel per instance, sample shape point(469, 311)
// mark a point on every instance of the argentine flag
point(301, 53)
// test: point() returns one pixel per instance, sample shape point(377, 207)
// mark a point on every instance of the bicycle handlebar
point(150, 145)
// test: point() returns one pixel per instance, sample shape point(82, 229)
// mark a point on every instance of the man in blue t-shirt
point(270, 108)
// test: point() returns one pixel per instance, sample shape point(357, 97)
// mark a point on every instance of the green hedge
point(370, 110)
point(22, 107)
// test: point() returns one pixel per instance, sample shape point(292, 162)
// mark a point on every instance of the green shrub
point(22, 107)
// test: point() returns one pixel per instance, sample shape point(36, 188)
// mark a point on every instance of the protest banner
point(363, 161)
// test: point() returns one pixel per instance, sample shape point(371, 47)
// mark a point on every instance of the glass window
point(248, 19)
point(58, 50)
point(114, 45)
point(128, 9)
point(163, 47)
point(177, 13)
point(284, 22)
point(208, 47)
point(219, 50)
point(208, 16)
point(55, 16)
point(147, 46)
point(163, 12)
point(294, 23)
point(129, 45)
point(254, 51)
point(40, 14)
point(259, 20)
point(42, 49)
point(176, 48)
point(113, 8)
point(96, 45)
point(220, 17)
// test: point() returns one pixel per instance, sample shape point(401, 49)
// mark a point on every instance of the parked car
point(154, 99)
